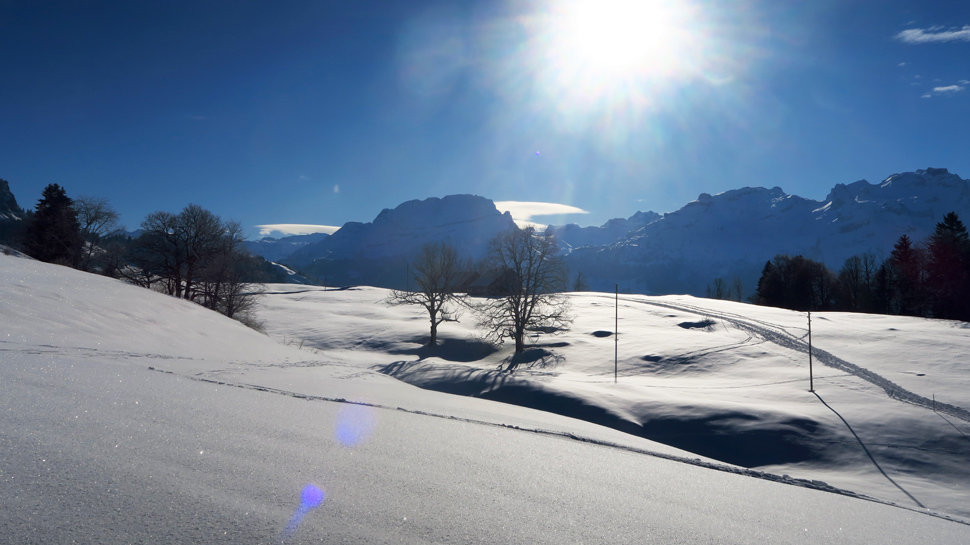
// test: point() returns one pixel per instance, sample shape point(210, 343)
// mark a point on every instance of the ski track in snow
point(779, 335)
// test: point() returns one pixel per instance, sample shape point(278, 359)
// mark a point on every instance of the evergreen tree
point(797, 283)
point(768, 291)
point(54, 234)
point(908, 262)
point(947, 268)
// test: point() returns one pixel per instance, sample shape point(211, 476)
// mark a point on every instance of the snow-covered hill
point(130, 416)
point(889, 418)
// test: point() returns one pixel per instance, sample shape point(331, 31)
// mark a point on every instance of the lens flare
point(311, 497)
point(355, 424)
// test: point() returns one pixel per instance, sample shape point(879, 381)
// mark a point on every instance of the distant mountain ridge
point(734, 233)
point(275, 249)
point(378, 253)
point(728, 235)
point(8, 204)
point(467, 221)
point(573, 236)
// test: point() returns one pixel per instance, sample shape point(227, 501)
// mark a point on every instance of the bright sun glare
point(616, 53)
point(614, 38)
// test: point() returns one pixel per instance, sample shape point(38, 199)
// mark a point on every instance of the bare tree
point(98, 220)
point(869, 269)
point(580, 283)
point(196, 256)
point(201, 233)
point(737, 289)
point(158, 255)
point(436, 272)
point(224, 284)
point(532, 297)
point(851, 290)
point(720, 288)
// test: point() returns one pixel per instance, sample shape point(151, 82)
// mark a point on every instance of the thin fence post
point(811, 379)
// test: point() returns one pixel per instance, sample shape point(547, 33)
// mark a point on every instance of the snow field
point(134, 417)
point(724, 380)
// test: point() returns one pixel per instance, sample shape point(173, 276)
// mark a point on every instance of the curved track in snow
point(779, 335)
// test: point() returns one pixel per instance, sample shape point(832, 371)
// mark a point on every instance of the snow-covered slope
point(734, 233)
point(724, 380)
point(128, 416)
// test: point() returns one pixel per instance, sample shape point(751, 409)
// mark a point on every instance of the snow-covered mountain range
point(572, 236)
point(729, 235)
point(734, 233)
point(377, 253)
point(275, 249)
point(468, 221)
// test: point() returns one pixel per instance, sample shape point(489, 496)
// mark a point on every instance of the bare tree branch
point(98, 220)
point(531, 297)
point(436, 271)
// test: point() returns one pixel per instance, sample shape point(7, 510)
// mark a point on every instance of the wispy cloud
point(336, 188)
point(934, 35)
point(946, 90)
point(294, 229)
point(523, 211)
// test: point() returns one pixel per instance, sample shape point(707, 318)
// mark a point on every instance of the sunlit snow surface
point(129, 416)
point(725, 380)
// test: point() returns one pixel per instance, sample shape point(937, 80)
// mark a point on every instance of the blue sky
point(321, 113)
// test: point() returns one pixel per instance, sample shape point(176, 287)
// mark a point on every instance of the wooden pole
point(811, 380)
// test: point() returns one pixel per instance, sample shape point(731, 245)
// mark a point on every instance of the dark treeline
point(929, 279)
point(193, 255)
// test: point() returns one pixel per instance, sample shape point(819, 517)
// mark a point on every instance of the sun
point(622, 38)
point(618, 54)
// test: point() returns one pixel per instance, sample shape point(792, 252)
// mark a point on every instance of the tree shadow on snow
point(533, 357)
point(449, 349)
point(458, 380)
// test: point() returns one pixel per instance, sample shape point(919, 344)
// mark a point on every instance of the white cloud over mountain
point(523, 211)
point(295, 229)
